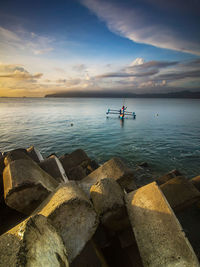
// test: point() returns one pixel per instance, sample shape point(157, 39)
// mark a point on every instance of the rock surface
point(16, 154)
point(158, 233)
point(166, 177)
point(53, 167)
point(73, 215)
point(35, 154)
point(34, 243)
point(196, 182)
point(108, 199)
point(26, 185)
point(113, 168)
point(180, 193)
point(76, 158)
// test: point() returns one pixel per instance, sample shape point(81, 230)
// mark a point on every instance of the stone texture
point(35, 154)
point(33, 243)
point(196, 182)
point(189, 219)
point(77, 173)
point(113, 168)
point(108, 199)
point(166, 177)
point(26, 185)
point(160, 238)
point(180, 193)
point(53, 166)
point(73, 215)
point(76, 158)
point(16, 155)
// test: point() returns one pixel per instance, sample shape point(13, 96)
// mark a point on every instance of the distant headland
point(182, 94)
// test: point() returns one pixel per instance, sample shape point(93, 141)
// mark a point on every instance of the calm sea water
point(168, 140)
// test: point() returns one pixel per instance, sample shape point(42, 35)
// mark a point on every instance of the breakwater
point(71, 211)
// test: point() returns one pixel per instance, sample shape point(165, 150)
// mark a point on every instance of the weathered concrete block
point(180, 193)
point(53, 166)
point(113, 168)
point(108, 199)
point(92, 166)
point(33, 242)
point(76, 158)
point(35, 154)
point(16, 155)
point(77, 173)
point(160, 238)
point(196, 182)
point(26, 185)
point(166, 177)
point(73, 215)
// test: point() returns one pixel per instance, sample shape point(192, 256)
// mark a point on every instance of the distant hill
point(182, 94)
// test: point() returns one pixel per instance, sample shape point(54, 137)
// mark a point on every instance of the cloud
point(146, 25)
point(137, 61)
point(153, 74)
point(125, 75)
point(17, 72)
point(80, 67)
point(69, 82)
point(179, 75)
point(24, 42)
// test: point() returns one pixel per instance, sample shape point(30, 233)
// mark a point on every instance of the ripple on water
point(171, 140)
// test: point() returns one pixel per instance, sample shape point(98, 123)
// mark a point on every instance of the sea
point(165, 132)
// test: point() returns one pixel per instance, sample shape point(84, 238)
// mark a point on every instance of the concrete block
point(180, 193)
point(160, 238)
point(16, 154)
point(166, 177)
point(53, 167)
point(113, 168)
point(76, 158)
point(196, 182)
point(189, 219)
point(33, 243)
point(35, 154)
point(108, 199)
point(92, 166)
point(77, 173)
point(73, 215)
point(26, 185)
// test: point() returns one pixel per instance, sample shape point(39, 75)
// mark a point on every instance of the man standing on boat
point(122, 111)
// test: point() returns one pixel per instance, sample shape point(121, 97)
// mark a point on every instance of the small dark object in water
point(144, 164)
point(72, 124)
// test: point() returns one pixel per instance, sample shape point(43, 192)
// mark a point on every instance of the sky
point(138, 46)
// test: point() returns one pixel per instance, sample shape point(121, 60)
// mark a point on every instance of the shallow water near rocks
point(165, 133)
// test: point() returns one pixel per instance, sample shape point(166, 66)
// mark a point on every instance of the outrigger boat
point(121, 112)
